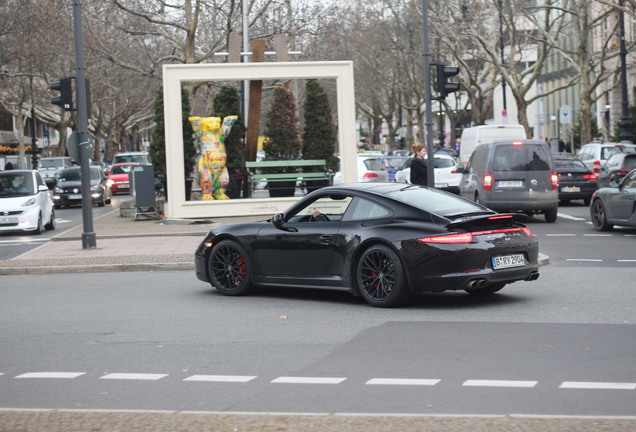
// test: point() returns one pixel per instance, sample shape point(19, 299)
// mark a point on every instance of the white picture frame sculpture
point(174, 75)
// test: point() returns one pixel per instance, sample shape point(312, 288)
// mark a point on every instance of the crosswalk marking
point(597, 385)
point(499, 383)
point(133, 376)
point(56, 375)
point(403, 381)
point(220, 378)
point(307, 380)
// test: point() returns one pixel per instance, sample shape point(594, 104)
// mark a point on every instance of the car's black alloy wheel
point(380, 277)
point(229, 269)
point(599, 219)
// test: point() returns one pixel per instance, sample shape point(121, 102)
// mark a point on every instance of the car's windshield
point(142, 159)
point(74, 174)
point(121, 169)
point(52, 163)
point(434, 201)
point(16, 184)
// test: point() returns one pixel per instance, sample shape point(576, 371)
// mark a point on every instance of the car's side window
point(630, 181)
point(330, 208)
point(366, 209)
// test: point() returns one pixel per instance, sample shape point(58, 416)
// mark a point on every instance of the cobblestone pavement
point(165, 421)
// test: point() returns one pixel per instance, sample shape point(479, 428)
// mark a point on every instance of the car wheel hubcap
point(378, 275)
point(229, 267)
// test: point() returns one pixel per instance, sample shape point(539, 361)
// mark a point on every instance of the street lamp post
point(625, 124)
point(501, 49)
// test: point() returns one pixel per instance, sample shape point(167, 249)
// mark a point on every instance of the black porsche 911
point(383, 241)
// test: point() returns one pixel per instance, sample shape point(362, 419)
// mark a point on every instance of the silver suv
point(595, 154)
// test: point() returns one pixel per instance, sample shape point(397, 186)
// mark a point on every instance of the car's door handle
point(326, 238)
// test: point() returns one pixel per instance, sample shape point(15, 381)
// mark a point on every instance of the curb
point(97, 268)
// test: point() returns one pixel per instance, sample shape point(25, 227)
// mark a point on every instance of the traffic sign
point(564, 114)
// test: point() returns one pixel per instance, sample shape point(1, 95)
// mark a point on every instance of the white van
point(475, 135)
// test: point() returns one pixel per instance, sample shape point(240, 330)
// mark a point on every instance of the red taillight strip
point(465, 238)
point(500, 217)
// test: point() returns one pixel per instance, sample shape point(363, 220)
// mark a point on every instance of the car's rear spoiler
point(486, 220)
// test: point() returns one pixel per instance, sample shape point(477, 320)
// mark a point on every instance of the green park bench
point(257, 175)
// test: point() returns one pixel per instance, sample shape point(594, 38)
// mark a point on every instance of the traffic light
point(65, 98)
point(443, 86)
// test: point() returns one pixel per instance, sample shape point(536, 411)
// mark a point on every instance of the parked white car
point(370, 169)
point(25, 202)
point(446, 176)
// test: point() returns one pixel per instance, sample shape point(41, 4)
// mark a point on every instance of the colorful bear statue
point(211, 134)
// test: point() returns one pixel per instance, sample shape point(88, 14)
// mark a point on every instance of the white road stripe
point(67, 375)
point(221, 378)
point(598, 235)
point(627, 260)
point(133, 376)
point(560, 235)
point(584, 259)
point(499, 383)
point(597, 385)
point(402, 381)
point(307, 380)
point(567, 216)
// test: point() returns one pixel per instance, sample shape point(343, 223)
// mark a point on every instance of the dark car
point(617, 166)
point(382, 241)
point(615, 205)
point(576, 180)
point(68, 190)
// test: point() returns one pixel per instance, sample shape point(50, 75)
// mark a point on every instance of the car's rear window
point(522, 157)
point(443, 162)
point(373, 164)
point(434, 201)
point(569, 164)
point(630, 162)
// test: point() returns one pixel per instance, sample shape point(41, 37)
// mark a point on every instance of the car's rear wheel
point(380, 277)
point(51, 224)
point(229, 269)
point(551, 215)
point(599, 218)
point(488, 289)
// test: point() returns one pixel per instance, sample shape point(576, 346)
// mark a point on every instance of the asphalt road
point(562, 345)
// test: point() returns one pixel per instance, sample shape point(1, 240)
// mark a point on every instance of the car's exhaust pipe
point(475, 284)
point(533, 276)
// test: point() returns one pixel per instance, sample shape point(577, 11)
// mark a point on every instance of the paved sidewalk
point(123, 244)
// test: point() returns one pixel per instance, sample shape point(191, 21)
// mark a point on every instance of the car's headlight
point(58, 190)
point(29, 202)
point(109, 182)
point(95, 188)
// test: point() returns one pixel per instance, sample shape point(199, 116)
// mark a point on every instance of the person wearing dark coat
point(419, 166)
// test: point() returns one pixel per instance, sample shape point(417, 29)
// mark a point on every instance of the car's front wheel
point(380, 277)
point(229, 269)
point(51, 224)
point(599, 218)
point(551, 215)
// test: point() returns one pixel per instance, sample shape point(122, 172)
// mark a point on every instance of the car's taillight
point(597, 166)
point(370, 175)
point(462, 238)
point(465, 238)
point(517, 143)
point(487, 182)
point(624, 171)
point(555, 181)
point(590, 177)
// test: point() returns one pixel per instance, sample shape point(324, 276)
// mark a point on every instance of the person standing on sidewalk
point(419, 166)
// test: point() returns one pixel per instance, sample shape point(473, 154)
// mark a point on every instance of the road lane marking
point(307, 380)
point(598, 235)
point(133, 376)
point(626, 260)
point(402, 381)
point(66, 375)
point(499, 383)
point(221, 378)
point(560, 235)
point(584, 259)
point(567, 216)
point(597, 385)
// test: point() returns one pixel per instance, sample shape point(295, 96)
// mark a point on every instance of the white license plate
point(510, 183)
point(8, 220)
point(570, 189)
point(78, 196)
point(508, 261)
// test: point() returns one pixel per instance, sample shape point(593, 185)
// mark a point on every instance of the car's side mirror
point(460, 169)
point(43, 188)
point(278, 222)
